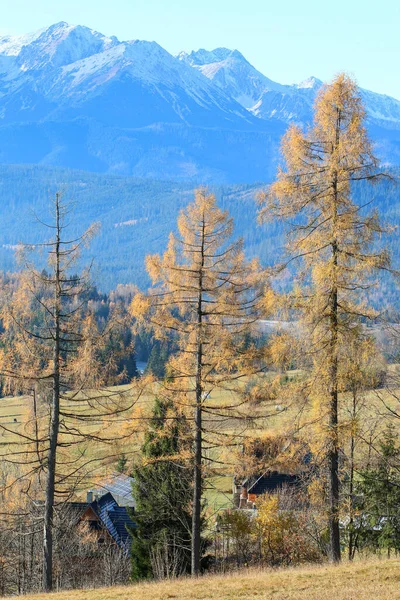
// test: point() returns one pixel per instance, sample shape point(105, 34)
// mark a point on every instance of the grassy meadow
point(99, 456)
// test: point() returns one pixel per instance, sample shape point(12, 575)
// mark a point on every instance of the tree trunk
point(54, 424)
point(333, 454)
point(333, 522)
point(197, 486)
point(351, 548)
point(197, 475)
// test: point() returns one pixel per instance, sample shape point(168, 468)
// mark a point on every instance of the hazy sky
point(288, 40)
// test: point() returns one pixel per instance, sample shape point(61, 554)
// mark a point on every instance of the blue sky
point(287, 40)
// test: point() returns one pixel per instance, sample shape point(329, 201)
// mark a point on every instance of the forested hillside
point(136, 216)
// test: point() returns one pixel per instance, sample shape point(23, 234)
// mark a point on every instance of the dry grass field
point(369, 580)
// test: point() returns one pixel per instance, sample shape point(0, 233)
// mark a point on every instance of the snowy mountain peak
point(310, 83)
point(205, 57)
point(60, 26)
point(58, 45)
point(232, 73)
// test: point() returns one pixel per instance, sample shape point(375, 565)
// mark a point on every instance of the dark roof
point(121, 520)
point(77, 506)
point(73, 510)
point(114, 518)
point(270, 482)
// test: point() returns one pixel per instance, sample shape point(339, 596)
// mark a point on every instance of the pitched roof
point(271, 481)
point(114, 518)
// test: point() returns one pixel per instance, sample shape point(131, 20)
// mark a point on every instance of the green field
point(98, 456)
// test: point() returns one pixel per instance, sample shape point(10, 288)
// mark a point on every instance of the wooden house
point(107, 511)
point(245, 493)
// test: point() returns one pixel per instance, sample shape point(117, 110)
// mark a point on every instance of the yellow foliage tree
point(282, 533)
point(334, 238)
point(54, 352)
point(208, 296)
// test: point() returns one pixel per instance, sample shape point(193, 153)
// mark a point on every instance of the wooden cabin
point(245, 493)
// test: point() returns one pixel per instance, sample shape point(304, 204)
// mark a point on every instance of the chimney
point(89, 497)
point(243, 498)
point(236, 493)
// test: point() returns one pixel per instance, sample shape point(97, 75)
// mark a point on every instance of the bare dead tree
point(56, 354)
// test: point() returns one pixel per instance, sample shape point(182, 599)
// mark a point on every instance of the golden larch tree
point(334, 238)
point(54, 352)
point(207, 296)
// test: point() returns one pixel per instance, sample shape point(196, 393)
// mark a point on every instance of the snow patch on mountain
point(63, 44)
point(310, 83)
point(101, 66)
point(12, 45)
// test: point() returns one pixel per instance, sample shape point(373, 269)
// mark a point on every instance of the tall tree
point(208, 297)
point(334, 238)
point(55, 354)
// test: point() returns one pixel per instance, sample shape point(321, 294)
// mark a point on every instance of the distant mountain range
point(72, 97)
point(147, 127)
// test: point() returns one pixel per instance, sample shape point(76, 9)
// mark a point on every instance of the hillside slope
point(377, 580)
point(137, 215)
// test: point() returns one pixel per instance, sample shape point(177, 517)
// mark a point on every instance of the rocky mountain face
point(68, 67)
point(266, 99)
point(72, 97)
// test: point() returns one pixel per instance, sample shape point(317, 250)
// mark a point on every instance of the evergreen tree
point(157, 361)
point(379, 496)
point(163, 489)
point(122, 463)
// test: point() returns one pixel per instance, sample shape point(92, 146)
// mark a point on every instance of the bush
point(283, 534)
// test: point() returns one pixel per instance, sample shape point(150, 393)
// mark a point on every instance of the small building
point(108, 510)
point(245, 493)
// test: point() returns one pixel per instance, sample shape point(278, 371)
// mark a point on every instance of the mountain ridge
point(73, 97)
point(231, 71)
